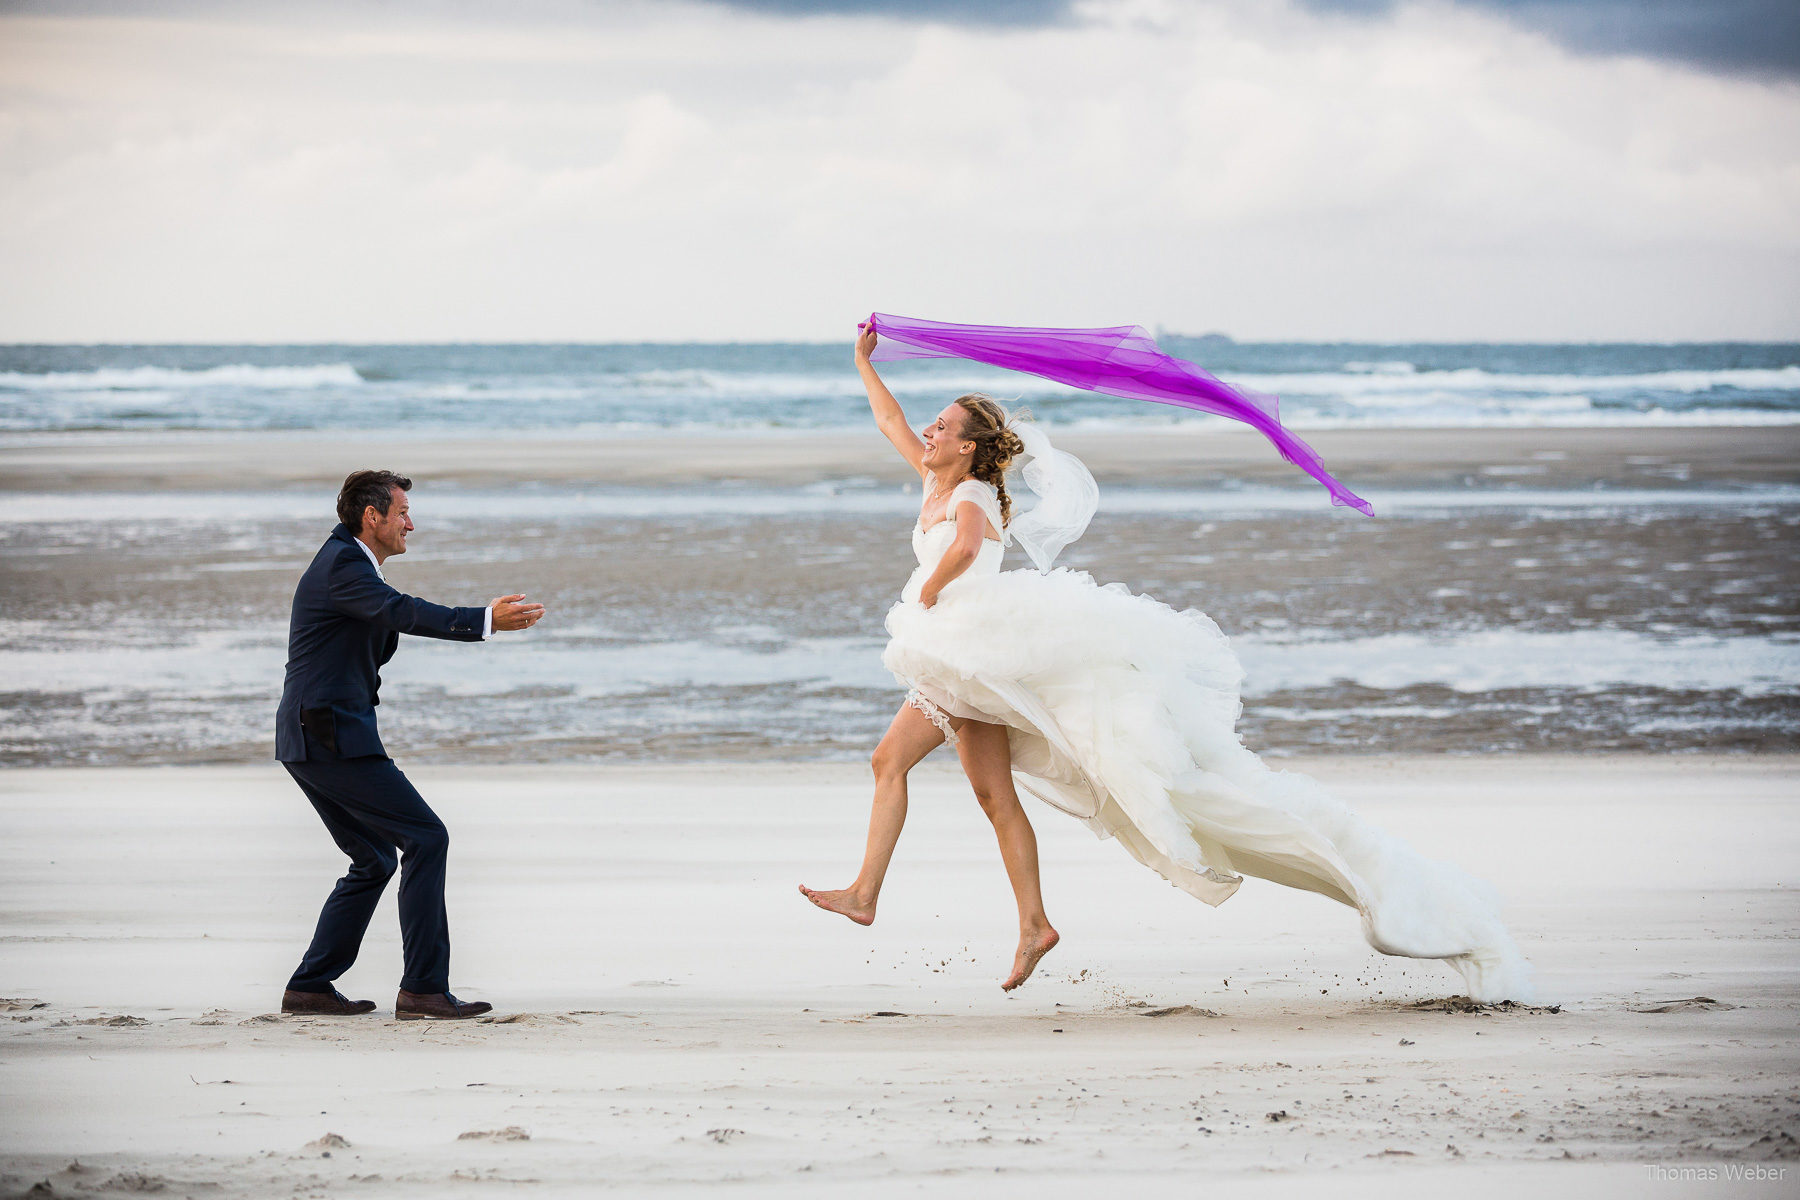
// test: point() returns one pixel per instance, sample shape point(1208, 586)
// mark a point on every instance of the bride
point(1116, 709)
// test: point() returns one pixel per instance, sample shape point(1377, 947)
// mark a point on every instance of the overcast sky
point(604, 171)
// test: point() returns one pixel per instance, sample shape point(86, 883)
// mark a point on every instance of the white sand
point(689, 1020)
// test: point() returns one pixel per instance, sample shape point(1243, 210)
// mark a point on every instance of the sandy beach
point(671, 1016)
point(635, 789)
point(1437, 365)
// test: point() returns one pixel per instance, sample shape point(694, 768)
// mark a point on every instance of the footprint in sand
point(1181, 1010)
point(137, 1181)
point(1704, 1003)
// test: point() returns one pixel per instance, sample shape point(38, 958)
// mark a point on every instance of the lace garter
point(917, 700)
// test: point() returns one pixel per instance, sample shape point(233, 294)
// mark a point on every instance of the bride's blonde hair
point(987, 425)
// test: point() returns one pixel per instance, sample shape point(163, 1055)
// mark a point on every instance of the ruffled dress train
point(1122, 712)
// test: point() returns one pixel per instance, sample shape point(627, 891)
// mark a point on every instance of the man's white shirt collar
point(372, 559)
point(487, 614)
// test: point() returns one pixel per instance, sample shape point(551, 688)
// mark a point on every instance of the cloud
point(961, 12)
point(1749, 37)
point(673, 172)
point(1754, 37)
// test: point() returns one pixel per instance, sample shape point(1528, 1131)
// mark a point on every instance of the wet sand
point(146, 614)
point(671, 1016)
point(136, 642)
point(1364, 458)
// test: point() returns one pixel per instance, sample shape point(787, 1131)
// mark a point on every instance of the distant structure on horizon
point(1201, 339)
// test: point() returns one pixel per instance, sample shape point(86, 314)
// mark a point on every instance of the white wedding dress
point(1122, 712)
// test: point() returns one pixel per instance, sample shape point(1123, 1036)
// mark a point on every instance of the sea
point(738, 622)
point(747, 387)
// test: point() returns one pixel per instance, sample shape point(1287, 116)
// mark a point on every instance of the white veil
point(1066, 497)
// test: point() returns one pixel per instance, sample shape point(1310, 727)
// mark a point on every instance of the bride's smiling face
point(944, 444)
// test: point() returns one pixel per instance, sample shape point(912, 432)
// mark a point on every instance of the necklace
point(936, 494)
point(937, 489)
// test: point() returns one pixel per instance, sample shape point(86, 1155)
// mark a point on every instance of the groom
point(346, 624)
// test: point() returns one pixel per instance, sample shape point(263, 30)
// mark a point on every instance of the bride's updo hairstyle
point(985, 424)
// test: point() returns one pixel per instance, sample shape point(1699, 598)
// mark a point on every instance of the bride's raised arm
point(889, 417)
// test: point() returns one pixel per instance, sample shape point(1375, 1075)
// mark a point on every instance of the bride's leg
point(909, 738)
point(987, 761)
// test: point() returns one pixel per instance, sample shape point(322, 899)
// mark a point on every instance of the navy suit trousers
point(380, 821)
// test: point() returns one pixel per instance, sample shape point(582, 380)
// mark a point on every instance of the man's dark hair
point(363, 488)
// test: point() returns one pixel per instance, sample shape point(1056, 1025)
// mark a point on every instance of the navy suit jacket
point(345, 625)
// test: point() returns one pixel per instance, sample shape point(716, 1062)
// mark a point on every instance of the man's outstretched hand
point(511, 612)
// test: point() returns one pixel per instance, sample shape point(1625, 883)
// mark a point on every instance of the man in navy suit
point(346, 624)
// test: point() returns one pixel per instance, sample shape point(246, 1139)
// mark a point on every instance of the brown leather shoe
point(436, 1006)
point(323, 1004)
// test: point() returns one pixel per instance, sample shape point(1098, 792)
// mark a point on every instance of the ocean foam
point(443, 504)
point(1356, 381)
point(225, 664)
point(1497, 659)
point(237, 664)
point(1558, 413)
point(129, 379)
point(744, 389)
point(1351, 385)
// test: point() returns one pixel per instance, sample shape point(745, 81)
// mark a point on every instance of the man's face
point(387, 535)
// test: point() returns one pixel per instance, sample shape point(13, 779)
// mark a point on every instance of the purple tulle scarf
point(1123, 361)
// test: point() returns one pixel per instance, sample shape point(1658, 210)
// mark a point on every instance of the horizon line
point(1217, 338)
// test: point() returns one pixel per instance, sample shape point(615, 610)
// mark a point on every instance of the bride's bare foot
point(1032, 948)
point(846, 902)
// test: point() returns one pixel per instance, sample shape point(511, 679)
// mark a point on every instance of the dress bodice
point(929, 544)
